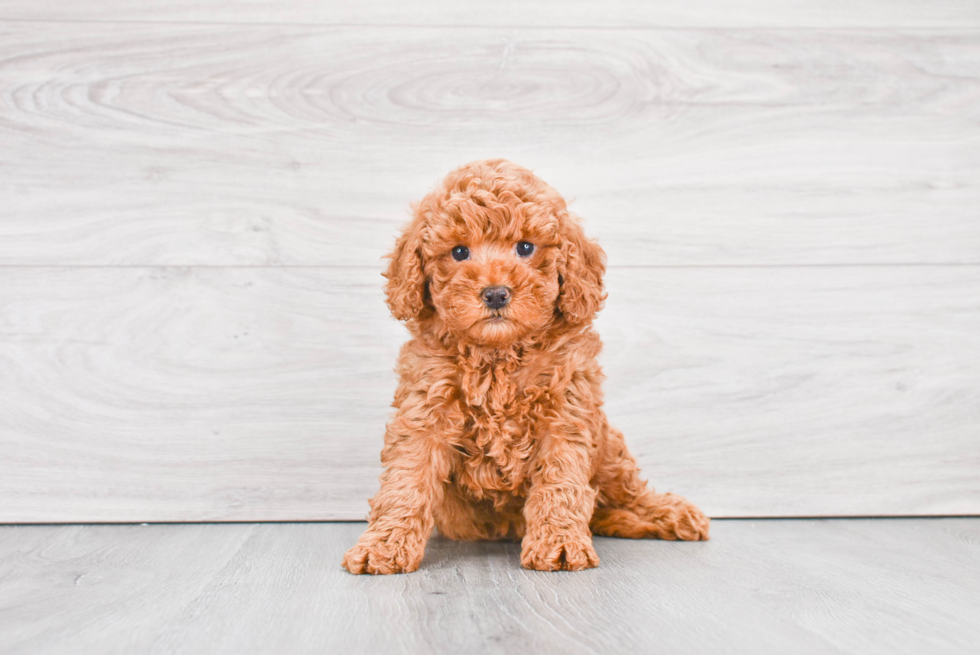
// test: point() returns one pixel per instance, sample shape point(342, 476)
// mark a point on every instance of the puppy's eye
point(461, 253)
point(525, 249)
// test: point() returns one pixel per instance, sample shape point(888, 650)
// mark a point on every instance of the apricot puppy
point(499, 431)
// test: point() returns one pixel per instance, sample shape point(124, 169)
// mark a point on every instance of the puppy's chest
point(504, 415)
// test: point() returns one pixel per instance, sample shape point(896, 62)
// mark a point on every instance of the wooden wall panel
point(194, 198)
point(164, 394)
point(250, 145)
point(543, 13)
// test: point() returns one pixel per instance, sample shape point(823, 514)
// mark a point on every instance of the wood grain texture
point(545, 13)
point(169, 394)
point(277, 145)
point(803, 586)
point(194, 199)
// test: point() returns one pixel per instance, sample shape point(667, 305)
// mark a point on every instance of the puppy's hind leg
point(465, 519)
point(627, 507)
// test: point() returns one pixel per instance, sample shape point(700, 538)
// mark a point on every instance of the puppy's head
point(494, 256)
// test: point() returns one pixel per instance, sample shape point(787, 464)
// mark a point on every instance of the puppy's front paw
point(555, 553)
point(383, 555)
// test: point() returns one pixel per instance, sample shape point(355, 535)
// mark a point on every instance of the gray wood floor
point(786, 586)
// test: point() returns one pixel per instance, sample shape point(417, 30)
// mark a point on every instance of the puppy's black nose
point(496, 297)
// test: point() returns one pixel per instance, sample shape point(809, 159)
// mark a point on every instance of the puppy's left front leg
point(558, 510)
point(401, 517)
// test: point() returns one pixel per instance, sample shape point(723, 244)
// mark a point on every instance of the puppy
point(499, 431)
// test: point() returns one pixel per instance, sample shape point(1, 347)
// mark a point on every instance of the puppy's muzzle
point(495, 297)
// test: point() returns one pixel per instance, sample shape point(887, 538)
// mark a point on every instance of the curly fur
point(499, 431)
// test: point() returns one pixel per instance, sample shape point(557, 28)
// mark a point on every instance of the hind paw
point(682, 519)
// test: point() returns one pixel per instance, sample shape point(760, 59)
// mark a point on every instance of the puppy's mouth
point(495, 317)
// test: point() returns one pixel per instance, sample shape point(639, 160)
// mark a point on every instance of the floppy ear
point(581, 265)
point(406, 281)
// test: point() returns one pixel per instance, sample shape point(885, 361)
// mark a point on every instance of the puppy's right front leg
point(401, 513)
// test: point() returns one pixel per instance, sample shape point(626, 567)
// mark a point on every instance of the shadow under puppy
point(499, 431)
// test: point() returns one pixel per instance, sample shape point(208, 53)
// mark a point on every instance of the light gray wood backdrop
point(194, 201)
